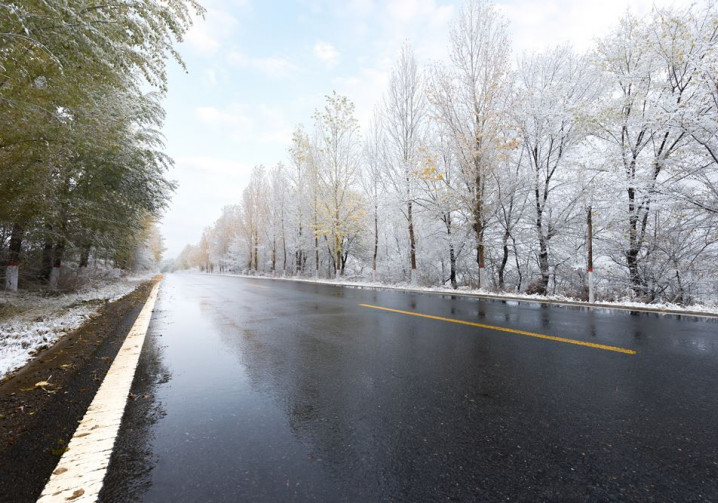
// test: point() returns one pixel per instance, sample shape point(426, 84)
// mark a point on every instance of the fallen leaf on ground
point(75, 495)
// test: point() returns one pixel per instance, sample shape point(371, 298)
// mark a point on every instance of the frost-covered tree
point(646, 122)
point(554, 91)
point(468, 97)
point(277, 215)
point(373, 179)
point(303, 198)
point(512, 191)
point(338, 152)
point(404, 122)
point(223, 236)
point(438, 179)
point(255, 203)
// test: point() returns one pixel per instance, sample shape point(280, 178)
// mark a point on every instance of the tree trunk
point(589, 251)
point(15, 245)
point(478, 211)
point(55, 277)
point(338, 264)
point(543, 263)
point(59, 252)
point(85, 255)
point(680, 297)
point(316, 256)
point(12, 271)
point(344, 257)
point(376, 243)
point(274, 254)
point(412, 243)
point(338, 244)
point(46, 266)
point(634, 245)
point(452, 267)
point(452, 255)
point(284, 250)
point(504, 259)
point(518, 266)
point(543, 243)
point(298, 255)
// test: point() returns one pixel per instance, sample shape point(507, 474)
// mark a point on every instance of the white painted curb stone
point(79, 474)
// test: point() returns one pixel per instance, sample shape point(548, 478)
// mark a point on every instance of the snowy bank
point(39, 320)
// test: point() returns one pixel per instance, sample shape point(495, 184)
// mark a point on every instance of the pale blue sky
point(258, 68)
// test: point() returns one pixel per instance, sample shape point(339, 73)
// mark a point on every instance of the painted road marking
point(81, 470)
point(508, 330)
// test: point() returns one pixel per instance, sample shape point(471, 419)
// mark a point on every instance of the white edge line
point(81, 470)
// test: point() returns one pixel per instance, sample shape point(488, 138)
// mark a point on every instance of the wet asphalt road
point(257, 390)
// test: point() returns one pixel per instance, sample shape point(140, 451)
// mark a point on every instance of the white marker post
point(55, 277)
point(12, 272)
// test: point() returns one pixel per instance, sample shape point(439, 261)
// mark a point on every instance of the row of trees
point(520, 177)
point(82, 168)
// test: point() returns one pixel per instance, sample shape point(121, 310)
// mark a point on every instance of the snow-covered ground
point(710, 310)
point(39, 320)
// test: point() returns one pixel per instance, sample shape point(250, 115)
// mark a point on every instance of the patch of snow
point(41, 321)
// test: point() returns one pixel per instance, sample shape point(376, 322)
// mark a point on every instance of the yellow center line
point(508, 330)
point(258, 286)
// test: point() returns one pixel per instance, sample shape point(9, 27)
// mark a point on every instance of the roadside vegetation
point(591, 175)
point(82, 167)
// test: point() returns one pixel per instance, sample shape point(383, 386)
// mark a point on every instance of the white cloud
point(424, 23)
point(360, 7)
point(405, 11)
point(209, 115)
point(539, 26)
point(314, 6)
point(326, 52)
point(442, 15)
point(237, 58)
point(276, 67)
point(402, 10)
point(208, 35)
point(209, 76)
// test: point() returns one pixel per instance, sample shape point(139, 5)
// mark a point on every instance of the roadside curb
point(80, 472)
